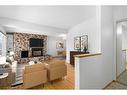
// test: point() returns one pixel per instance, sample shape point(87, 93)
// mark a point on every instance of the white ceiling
point(62, 17)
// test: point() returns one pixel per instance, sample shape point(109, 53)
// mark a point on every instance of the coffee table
point(4, 75)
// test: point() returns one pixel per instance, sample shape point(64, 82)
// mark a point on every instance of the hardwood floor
point(66, 83)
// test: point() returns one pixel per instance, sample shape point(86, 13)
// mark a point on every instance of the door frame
point(115, 38)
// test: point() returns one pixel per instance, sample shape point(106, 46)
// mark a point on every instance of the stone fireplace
point(22, 44)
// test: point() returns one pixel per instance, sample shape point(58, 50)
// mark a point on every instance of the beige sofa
point(6, 82)
point(34, 75)
point(13, 64)
point(56, 69)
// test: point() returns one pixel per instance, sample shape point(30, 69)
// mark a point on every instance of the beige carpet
point(123, 78)
point(116, 85)
point(121, 82)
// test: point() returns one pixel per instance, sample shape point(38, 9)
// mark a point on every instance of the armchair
point(34, 75)
point(56, 69)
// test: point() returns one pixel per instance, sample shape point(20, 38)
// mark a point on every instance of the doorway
point(121, 53)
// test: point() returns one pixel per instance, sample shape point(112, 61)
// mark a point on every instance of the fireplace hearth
point(37, 52)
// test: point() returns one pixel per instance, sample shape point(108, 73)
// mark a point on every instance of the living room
point(30, 49)
point(65, 47)
point(45, 47)
point(37, 35)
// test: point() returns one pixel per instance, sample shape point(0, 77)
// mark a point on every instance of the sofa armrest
point(14, 64)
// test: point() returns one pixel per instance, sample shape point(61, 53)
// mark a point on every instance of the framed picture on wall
point(59, 45)
point(84, 43)
point(77, 45)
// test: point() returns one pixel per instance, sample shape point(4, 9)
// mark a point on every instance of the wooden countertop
point(87, 55)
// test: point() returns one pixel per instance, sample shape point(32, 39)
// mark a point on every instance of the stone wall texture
point(21, 43)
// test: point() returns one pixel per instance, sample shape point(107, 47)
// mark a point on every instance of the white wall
point(98, 71)
point(51, 42)
point(123, 66)
point(87, 27)
point(107, 45)
point(124, 37)
point(120, 13)
point(119, 50)
point(90, 72)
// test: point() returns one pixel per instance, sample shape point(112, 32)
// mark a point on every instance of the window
point(2, 44)
point(9, 45)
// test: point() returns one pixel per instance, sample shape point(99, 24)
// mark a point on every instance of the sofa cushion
point(11, 58)
point(55, 63)
point(8, 60)
point(35, 67)
point(14, 64)
point(31, 63)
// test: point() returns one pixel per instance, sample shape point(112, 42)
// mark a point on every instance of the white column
point(77, 74)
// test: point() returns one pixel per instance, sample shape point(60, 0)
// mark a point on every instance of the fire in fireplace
point(37, 52)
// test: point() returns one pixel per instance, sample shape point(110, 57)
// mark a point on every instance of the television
point(36, 42)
